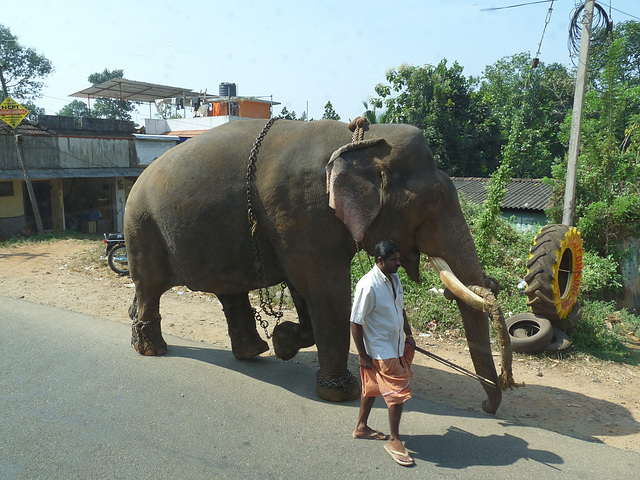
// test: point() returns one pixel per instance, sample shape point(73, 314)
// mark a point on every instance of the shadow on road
point(533, 405)
point(458, 449)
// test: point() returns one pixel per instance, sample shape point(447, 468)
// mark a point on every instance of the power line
point(514, 6)
point(624, 13)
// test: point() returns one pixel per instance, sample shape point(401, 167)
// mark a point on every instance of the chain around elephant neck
point(266, 300)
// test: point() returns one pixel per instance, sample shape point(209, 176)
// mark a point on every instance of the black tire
point(554, 272)
point(560, 342)
point(117, 260)
point(529, 333)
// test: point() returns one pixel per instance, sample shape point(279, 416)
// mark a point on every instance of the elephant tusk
point(456, 286)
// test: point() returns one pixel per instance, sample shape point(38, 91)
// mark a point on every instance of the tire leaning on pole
point(554, 272)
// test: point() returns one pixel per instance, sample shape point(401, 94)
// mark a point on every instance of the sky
point(300, 53)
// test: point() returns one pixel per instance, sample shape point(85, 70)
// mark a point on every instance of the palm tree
point(372, 116)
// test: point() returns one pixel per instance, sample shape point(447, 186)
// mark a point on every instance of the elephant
point(316, 196)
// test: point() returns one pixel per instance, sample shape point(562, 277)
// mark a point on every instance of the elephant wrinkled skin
point(186, 224)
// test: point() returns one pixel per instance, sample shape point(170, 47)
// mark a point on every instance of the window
point(6, 189)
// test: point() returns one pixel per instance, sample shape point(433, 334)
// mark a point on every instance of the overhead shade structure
point(133, 91)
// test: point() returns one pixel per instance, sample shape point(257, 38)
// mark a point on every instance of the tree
point(284, 113)
point(607, 205)
point(329, 112)
point(530, 106)
point(371, 114)
point(463, 136)
point(22, 69)
point(111, 108)
point(77, 109)
point(34, 111)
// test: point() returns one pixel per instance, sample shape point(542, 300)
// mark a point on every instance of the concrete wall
point(150, 147)
point(39, 151)
point(87, 126)
point(155, 126)
point(83, 152)
point(12, 206)
point(525, 221)
point(631, 274)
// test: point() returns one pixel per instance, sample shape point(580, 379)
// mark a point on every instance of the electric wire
point(600, 28)
point(514, 6)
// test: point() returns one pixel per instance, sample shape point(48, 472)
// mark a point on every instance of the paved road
point(76, 401)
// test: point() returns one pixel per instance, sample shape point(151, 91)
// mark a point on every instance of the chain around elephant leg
point(340, 389)
point(146, 337)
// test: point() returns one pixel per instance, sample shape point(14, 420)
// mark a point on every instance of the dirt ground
point(587, 399)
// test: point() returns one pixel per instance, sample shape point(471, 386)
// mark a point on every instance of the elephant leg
point(289, 337)
point(146, 334)
point(245, 340)
point(476, 328)
point(330, 319)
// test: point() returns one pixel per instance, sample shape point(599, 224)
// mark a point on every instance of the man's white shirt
point(380, 315)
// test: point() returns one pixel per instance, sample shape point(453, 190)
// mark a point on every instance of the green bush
point(600, 277)
point(597, 334)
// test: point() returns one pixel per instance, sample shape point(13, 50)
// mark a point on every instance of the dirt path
point(597, 401)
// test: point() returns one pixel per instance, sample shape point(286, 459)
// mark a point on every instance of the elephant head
point(388, 187)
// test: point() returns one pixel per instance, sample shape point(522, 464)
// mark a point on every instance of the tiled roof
point(522, 193)
point(26, 128)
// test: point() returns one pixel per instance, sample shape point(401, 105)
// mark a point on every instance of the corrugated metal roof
point(522, 193)
point(133, 90)
point(47, 173)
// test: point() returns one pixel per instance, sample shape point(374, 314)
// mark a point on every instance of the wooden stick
point(460, 369)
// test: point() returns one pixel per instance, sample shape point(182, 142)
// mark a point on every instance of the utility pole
point(576, 119)
point(27, 179)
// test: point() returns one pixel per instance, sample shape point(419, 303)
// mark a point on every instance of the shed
point(526, 199)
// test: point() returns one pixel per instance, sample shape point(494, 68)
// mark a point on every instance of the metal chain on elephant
point(266, 300)
point(335, 382)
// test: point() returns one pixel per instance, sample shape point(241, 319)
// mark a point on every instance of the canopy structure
point(131, 90)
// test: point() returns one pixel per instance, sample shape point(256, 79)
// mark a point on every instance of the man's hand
point(411, 341)
point(365, 361)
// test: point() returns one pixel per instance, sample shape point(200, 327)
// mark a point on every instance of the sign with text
point(12, 112)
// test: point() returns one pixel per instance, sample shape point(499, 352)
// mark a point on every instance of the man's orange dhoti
point(390, 378)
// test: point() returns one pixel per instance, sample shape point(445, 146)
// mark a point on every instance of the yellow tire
point(554, 272)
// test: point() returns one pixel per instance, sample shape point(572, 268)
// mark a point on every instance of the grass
point(50, 237)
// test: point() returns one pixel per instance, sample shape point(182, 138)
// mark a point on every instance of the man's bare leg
point(395, 413)
point(362, 429)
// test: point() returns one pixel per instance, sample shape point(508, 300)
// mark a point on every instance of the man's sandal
point(401, 458)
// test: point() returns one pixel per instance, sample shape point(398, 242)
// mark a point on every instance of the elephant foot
point(341, 389)
point(288, 338)
point(491, 404)
point(244, 350)
point(146, 338)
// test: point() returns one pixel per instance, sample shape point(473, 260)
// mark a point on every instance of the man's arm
point(407, 331)
point(358, 339)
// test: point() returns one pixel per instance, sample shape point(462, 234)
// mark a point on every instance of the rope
point(358, 127)
point(505, 380)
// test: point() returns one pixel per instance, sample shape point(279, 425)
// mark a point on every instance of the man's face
point(390, 264)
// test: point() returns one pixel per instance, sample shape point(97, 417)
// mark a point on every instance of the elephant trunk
point(481, 299)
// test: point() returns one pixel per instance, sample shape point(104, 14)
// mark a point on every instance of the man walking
point(385, 346)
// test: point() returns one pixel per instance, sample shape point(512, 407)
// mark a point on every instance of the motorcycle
point(116, 253)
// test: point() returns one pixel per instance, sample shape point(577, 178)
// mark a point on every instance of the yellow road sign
point(12, 112)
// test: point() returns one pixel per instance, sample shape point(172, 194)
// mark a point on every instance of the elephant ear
point(354, 183)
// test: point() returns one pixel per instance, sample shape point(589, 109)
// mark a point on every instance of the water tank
point(227, 89)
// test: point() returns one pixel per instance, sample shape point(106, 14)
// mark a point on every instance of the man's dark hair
point(386, 248)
